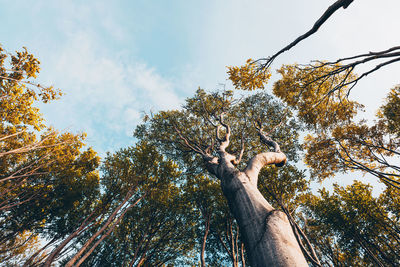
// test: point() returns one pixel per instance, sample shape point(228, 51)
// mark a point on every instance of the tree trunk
point(266, 232)
point(31, 258)
point(87, 254)
point(203, 244)
point(63, 244)
point(109, 221)
point(242, 255)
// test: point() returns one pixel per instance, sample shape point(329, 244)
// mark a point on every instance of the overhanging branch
point(331, 9)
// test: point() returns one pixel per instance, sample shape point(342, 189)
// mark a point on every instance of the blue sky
point(117, 59)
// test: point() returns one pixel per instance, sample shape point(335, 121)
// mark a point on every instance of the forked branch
point(266, 139)
point(346, 66)
point(211, 161)
point(223, 142)
point(260, 160)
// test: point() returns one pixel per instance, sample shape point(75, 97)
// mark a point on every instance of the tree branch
point(259, 161)
point(331, 9)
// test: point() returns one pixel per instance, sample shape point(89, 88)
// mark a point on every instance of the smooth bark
point(109, 221)
point(266, 232)
point(63, 244)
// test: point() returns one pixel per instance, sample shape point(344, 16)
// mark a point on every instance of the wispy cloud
point(105, 92)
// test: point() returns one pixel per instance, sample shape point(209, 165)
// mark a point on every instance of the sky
point(115, 60)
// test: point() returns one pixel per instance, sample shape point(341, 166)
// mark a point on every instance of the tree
point(344, 66)
point(331, 83)
point(192, 137)
point(353, 228)
point(203, 194)
point(14, 254)
point(157, 230)
point(318, 93)
point(46, 179)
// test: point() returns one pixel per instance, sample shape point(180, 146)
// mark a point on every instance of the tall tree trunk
point(266, 232)
point(87, 254)
point(242, 255)
point(203, 244)
point(31, 258)
point(109, 221)
point(63, 244)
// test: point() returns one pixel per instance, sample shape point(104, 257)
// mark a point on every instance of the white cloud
point(157, 90)
point(104, 92)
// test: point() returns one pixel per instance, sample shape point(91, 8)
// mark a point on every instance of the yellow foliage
point(39, 167)
point(248, 77)
point(318, 105)
point(19, 249)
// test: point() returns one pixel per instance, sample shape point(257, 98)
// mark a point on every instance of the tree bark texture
point(267, 234)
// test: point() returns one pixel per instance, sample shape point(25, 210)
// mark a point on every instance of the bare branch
point(210, 161)
point(331, 9)
point(351, 163)
point(239, 159)
point(266, 140)
point(224, 143)
point(37, 145)
point(193, 147)
point(23, 82)
point(342, 66)
point(11, 135)
point(207, 117)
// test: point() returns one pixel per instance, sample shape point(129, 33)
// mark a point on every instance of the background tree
point(157, 230)
point(218, 235)
point(337, 143)
point(319, 92)
point(340, 143)
point(350, 227)
point(343, 67)
point(45, 177)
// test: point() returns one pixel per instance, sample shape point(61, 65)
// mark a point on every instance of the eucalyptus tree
point(218, 133)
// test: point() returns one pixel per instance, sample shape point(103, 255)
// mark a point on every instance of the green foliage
point(195, 123)
point(390, 111)
point(152, 232)
point(336, 142)
point(178, 132)
point(49, 183)
point(211, 210)
point(353, 228)
point(286, 186)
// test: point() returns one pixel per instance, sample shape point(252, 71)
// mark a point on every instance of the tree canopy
point(215, 182)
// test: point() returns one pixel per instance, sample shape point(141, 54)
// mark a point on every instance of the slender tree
point(46, 178)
